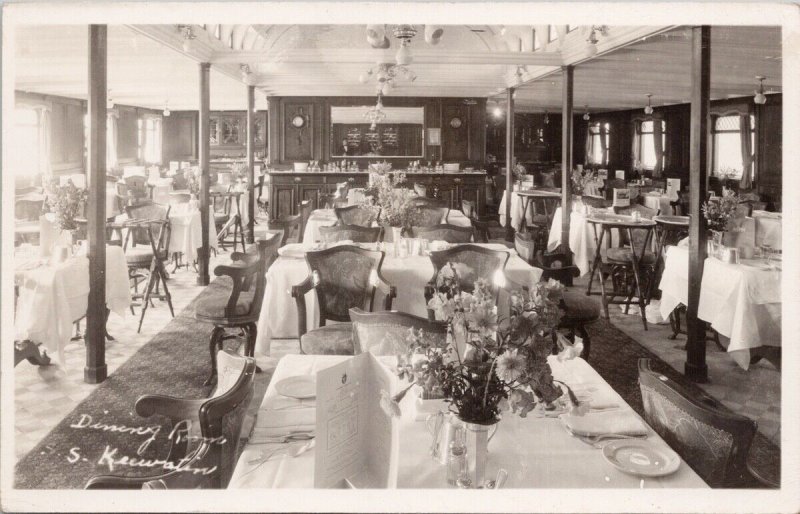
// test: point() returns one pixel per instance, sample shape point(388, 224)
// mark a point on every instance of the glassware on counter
point(457, 457)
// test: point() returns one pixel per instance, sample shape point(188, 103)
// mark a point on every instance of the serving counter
point(289, 188)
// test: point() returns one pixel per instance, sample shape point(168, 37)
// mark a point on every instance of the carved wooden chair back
point(354, 233)
point(361, 215)
point(386, 332)
point(444, 232)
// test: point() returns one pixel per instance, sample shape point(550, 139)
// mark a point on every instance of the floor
point(44, 395)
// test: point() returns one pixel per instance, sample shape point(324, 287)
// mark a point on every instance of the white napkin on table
point(283, 422)
point(605, 422)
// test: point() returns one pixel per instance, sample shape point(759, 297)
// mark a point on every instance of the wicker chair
point(234, 300)
point(146, 248)
point(713, 441)
point(343, 277)
point(354, 233)
point(361, 215)
point(290, 225)
point(385, 332)
point(211, 420)
point(132, 191)
point(444, 232)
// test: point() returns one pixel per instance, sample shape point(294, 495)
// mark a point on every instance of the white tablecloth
point(516, 211)
point(278, 316)
point(769, 228)
point(52, 297)
point(741, 302)
point(581, 239)
point(187, 231)
point(327, 218)
point(161, 189)
point(537, 452)
point(658, 202)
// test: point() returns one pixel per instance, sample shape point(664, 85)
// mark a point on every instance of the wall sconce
point(188, 36)
point(760, 97)
point(648, 108)
point(586, 116)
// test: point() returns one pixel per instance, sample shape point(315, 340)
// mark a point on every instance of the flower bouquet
point(65, 202)
point(395, 200)
point(580, 179)
point(718, 213)
point(238, 171)
point(380, 168)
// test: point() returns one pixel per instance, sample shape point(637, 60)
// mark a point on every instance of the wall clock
point(455, 122)
point(298, 121)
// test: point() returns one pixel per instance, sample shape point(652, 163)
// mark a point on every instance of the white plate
point(301, 387)
point(641, 458)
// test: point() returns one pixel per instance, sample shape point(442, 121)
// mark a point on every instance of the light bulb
point(403, 56)
point(586, 116)
point(648, 110)
point(166, 111)
point(433, 34)
point(497, 112)
point(187, 44)
point(591, 49)
point(760, 98)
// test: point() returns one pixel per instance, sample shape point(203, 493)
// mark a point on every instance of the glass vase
point(478, 437)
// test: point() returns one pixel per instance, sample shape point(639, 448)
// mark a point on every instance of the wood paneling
point(127, 136)
point(769, 148)
point(287, 145)
point(179, 142)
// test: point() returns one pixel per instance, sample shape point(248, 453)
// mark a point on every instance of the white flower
point(389, 406)
point(510, 366)
point(568, 351)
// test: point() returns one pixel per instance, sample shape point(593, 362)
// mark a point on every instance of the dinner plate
point(641, 458)
point(301, 387)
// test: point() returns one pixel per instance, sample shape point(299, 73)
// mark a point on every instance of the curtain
point(658, 146)
point(157, 141)
point(747, 152)
point(637, 140)
point(45, 129)
point(603, 144)
point(111, 140)
point(589, 145)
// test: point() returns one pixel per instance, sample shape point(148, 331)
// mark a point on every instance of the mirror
point(399, 134)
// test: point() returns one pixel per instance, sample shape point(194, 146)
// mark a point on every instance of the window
point(111, 141)
point(599, 148)
point(150, 140)
point(536, 44)
point(647, 148)
point(26, 156)
point(570, 28)
point(552, 33)
point(727, 145)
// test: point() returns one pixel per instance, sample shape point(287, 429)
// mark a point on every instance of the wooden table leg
point(29, 350)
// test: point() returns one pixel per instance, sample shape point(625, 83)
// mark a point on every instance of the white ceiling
point(148, 67)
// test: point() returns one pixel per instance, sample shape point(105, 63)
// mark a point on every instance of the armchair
point(355, 233)
point(219, 418)
point(384, 332)
point(444, 232)
point(234, 301)
point(343, 277)
point(361, 215)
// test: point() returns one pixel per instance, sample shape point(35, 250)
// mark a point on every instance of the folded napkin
point(284, 422)
point(623, 422)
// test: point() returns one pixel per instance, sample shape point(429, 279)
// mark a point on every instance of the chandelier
point(377, 38)
point(375, 114)
point(386, 76)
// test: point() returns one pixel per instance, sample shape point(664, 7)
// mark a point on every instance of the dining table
point(327, 217)
point(581, 237)
point(521, 202)
point(536, 451)
point(54, 294)
point(741, 301)
point(278, 316)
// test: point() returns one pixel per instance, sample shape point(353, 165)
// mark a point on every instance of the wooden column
point(203, 151)
point(95, 337)
point(567, 88)
point(695, 368)
point(251, 147)
point(509, 160)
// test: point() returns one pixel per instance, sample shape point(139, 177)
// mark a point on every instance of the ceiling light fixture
point(387, 76)
point(648, 108)
point(760, 97)
point(498, 112)
point(546, 118)
point(109, 101)
point(245, 70)
point(592, 40)
point(586, 113)
point(188, 36)
point(377, 38)
point(166, 108)
point(375, 114)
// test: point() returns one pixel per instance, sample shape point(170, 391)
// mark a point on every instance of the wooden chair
point(262, 199)
point(471, 262)
point(547, 179)
point(385, 332)
point(290, 225)
point(712, 440)
point(210, 420)
point(146, 248)
point(304, 209)
point(179, 197)
point(595, 202)
point(179, 181)
point(444, 232)
point(343, 277)
point(133, 191)
point(361, 215)
point(26, 220)
point(234, 301)
point(611, 185)
point(427, 216)
point(354, 233)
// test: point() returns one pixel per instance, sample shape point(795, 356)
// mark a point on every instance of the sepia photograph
point(384, 256)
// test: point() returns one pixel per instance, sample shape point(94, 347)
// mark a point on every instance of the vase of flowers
point(718, 214)
point(488, 366)
point(394, 199)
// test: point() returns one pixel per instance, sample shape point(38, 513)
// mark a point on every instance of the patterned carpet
point(175, 362)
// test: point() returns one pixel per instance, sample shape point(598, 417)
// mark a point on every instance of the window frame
point(714, 144)
point(537, 45)
point(144, 141)
point(596, 141)
point(642, 134)
point(552, 33)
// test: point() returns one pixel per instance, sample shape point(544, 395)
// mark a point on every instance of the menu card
point(357, 442)
point(622, 197)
